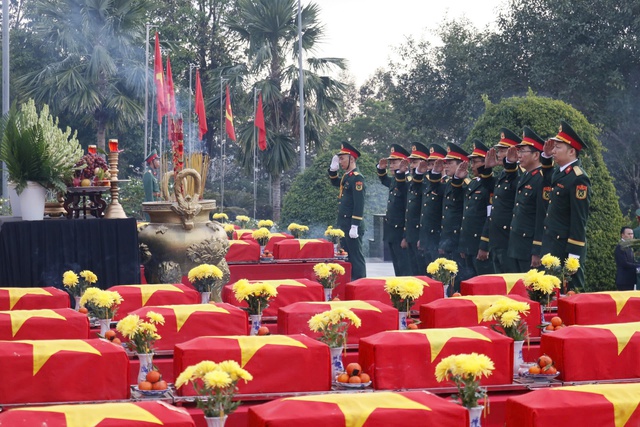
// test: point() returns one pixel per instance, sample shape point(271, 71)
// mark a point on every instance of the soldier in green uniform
point(350, 206)
point(431, 210)
point(150, 178)
point(419, 153)
point(565, 226)
point(477, 206)
point(525, 240)
point(504, 193)
point(396, 206)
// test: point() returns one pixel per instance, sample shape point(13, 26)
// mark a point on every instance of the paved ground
point(377, 268)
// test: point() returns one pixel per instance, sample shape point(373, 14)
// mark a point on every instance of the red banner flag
point(259, 123)
point(158, 77)
point(170, 93)
point(229, 118)
point(202, 115)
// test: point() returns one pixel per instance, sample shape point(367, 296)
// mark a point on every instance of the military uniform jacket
point(529, 212)
point(431, 211)
point(396, 205)
point(568, 211)
point(350, 198)
point(477, 199)
point(452, 209)
point(150, 184)
point(414, 205)
point(504, 194)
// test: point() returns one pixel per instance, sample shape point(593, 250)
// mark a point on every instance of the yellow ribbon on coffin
point(16, 293)
point(18, 317)
point(93, 414)
point(249, 345)
point(148, 290)
point(622, 331)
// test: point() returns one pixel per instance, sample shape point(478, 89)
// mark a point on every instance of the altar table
point(59, 323)
point(416, 408)
point(283, 270)
point(62, 371)
point(467, 311)
point(303, 248)
point(372, 288)
point(33, 298)
point(376, 317)
point(137, 296)
point(278, 363)
point(407, 359)
point(289, 291)
point(601, 405)
point(243, 251)
point(600, 308)
point(495, 284)
point(129, 414)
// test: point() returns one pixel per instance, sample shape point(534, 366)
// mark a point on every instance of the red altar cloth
point(275, 361)
point(282, 270)
point(129, 414)
point(415, 408)
point(185, 322)
point(60, 323)
point(289, 291)
point(275, 238)
point(243, 251)
point(595, 352)
point(137, 296)
point(495, 284)
point(376, 317)
point(33, 298)
point(303, 248)
point(408, 359)
point(467, 311)
point(62, 371)
point(600, 308)
point(601, 405)
point(372, 288)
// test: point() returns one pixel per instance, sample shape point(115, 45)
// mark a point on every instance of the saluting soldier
point(504, 193)
point(432, 194)
point(529, 211)
point(419, 153)
point(477, 206)
point(396, 206)
point(565, 226)
point(350, 205)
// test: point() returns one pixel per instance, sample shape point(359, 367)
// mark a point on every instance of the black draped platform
point(36, 253)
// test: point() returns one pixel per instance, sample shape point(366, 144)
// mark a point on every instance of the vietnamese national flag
point(202, 115)
point(229, 118)
point(259, 123)
point(170, 93)
point(158, 77)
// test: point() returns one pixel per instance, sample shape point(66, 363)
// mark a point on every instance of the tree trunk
point(100, 134)
point(275, 190)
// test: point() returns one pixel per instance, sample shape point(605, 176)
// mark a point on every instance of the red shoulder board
point(535, 172)
point(568, 169)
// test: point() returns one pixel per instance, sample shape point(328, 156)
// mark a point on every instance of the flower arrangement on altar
point(141, 334)
point(220, 217)
point(443, 270)
point(205, 277)
point(334, 234)
point(75, 286)
point(265, 223)
point(563, 271)
point(297, 230)
point(261, 235)
point(257, 295)
point(327, 273)
point(465, 371)
point(229, 229)
point(242, 220)
point(333, 325)
point(101, 304)
point(508, 313)
point(216, 384)
point(403, 292)
point(540, 286)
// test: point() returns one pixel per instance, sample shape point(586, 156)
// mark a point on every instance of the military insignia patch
point(431, 150)
point(359, 186)
point(502, 135)
point(413, 148)
point(393, 150)
point(546, 191)
point(581, 192)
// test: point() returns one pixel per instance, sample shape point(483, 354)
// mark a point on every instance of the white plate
point(542, 377)
point(154, 393)
point(352, 385)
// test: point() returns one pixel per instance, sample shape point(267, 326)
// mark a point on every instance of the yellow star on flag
point(510, 279)
point(93, 414)
point(242, 232)
point(44, 349)
point(482, 302)
point(622, 331)
point(184, 311)
point(621, 298)
point(249, 345)
point(439, 337)
point(238, 242)
point(16, 293)
point(305, 241)
point(18, 317)
point(148, 290)
point(358, 407)
point(422, 282)
point(361, 305)
point(624, 397)
point(277, 283)
point(278, 235)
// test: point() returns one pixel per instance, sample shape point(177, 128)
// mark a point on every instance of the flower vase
point(446, 291)
point(204, 297)
point(262, 250)
point(542, 319)
point(105, 325)
point(328, 294)
point(256, 322)
point(146, 365)
point(336, 362)
point(475, 414)
point(216, 421)
point(77, 301)
point(335, 249)
point(402, 320)
point(517, 357)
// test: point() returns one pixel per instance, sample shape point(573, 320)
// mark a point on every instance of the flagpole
point(222, 143)
point(147, 142)
point(5, 81)
point(191, 67)
point(255, 153)
point(301, 90)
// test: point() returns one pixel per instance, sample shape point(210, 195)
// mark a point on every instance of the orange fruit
point(354, 369)
point(549, 327)
point(116, 341)
point(556, 321)
point(160, 385)
point(456, 294)
point(110, 334)
point(263, 330)
point(534, 369)
point(549, 370)
point(355, 379)
point(153, 376)
point(544, 360)
point(145, 385)
point(560, 327)
point(365, 378)
point(335, 299)
point(343, 378)
point(83, 310)
point(412, 326)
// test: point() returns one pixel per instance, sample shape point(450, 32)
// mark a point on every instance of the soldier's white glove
point(353, 233)
point(334, 164)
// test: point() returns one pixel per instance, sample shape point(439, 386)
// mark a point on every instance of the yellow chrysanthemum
point(156, 318)
point(433, 268)
point(474, 365)
point(204, 367)
point(229, 228)
point(89, 276)
point(550, 261)
point(334, 232)
point(322, 270)
point(216, 379)
point(220, 215)
point(261, 234)
point(451, 267)
point(445, 368)
point(185, 376)
point(509, 318)
point(242, 218)
point(129, 325)
point(572, 265)
point(265, 223)
point(70, 279)
point(336, 268)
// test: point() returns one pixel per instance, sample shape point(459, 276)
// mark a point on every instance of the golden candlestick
point(115, 209)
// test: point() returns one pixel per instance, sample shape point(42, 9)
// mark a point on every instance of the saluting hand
point(382, 163)
point(463, 170)
point(512, 155)
point(422, 167)
point(491, 160)
point(404, 166)
point(549, 145)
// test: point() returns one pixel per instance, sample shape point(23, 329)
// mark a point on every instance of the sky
point(365, 31)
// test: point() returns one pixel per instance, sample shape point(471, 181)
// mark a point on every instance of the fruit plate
point(542, 377)
point(151, 393)
point(352, 385)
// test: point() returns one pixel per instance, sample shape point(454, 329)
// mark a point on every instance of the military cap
point(531, 139)
point(397, 152)
point(508, 138)
point(455, 152)
point(152, 156)
point(419, 151)
point(479, 149)
point(436, 152)
point(567, 135)
point(346, 148)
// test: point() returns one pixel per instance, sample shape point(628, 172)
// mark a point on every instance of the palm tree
point(99, 74)
point(269, 27)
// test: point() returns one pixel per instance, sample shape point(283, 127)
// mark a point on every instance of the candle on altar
point(113, 145)
point(92, 149)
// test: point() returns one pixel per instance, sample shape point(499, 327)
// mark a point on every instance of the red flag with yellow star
point(200, 112)
point(158, 78)
point(228, 117)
